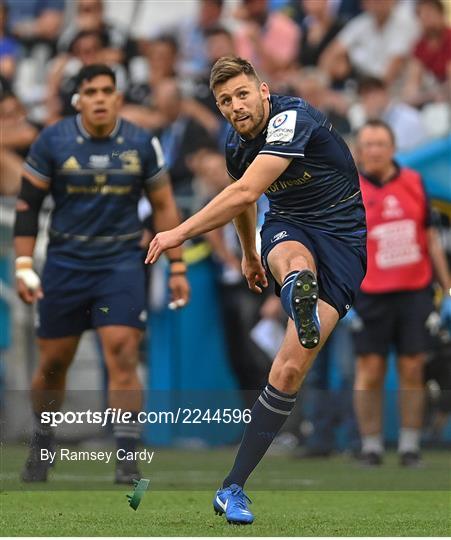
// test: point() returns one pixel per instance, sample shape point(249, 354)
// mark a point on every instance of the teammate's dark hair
point(228, 67)
point(379, 124)
point(88, 73)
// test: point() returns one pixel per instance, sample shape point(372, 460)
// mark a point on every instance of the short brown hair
point(228, 67)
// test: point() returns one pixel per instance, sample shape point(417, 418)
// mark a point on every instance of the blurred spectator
point(181, 137)
point(319, 27)
point(191, 37)
point(117, 47)
point(86, 49)
point(35, 20)
point(313, 86)
point(162, 59)
point(152, 19)
point(375, 43)
point(270, 40)
point(346, 9)
point(429, 70)
point(202, 105)
point(376, 103)
point(219, 42)
point(341, 9)
point(9, 47)
point(395, 301)
point(17, 134)
point(161, 55)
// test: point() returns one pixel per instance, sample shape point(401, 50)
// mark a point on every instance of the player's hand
point(28, 283)
point(254, 273)
point(162, 242)
point(180, 291)
point(28, 286)
point(27, 295)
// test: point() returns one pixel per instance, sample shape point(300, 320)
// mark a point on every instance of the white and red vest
point(397, 215)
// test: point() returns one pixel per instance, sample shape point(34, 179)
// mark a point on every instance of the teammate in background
point(313, 239)
point(396, 296)
point(96, 167)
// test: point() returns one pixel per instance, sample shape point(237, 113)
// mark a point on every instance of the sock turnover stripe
point(271, 408)
point(277, 396)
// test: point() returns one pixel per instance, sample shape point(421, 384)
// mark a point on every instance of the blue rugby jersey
point(96, 184)
point(320, 188)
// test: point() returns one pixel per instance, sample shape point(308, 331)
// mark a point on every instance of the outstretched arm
point(231, 202)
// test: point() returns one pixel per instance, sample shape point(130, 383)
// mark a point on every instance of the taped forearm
point(28, 205)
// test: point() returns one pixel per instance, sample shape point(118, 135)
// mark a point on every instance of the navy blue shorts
point(340, 267)
point(77, 300)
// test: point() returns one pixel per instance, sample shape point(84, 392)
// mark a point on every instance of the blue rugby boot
point(304, 307)
point(232, 501)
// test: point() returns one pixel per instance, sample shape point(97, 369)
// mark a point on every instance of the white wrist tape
point(25, 272)
point(176, 304)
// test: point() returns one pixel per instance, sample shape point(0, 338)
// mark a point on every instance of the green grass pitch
point(304, 498)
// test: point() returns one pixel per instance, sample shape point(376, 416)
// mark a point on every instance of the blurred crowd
point(355, 60)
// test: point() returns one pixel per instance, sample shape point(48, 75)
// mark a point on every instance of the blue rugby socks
point(285, 292)
point(268, 415)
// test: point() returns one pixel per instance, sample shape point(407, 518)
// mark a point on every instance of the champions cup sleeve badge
point(281, 128)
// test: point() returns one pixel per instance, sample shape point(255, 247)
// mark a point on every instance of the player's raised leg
point(47, 392)
point(120, 348)
point(293, 267)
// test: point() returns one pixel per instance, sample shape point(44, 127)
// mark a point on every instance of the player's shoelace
point(242, 498)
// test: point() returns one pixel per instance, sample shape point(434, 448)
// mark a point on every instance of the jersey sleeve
point(154, 165)
point(39, 161)
point(288, 134)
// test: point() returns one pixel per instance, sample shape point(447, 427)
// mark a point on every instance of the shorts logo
point(279, 236)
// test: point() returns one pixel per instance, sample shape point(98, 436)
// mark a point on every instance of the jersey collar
point(87, 135)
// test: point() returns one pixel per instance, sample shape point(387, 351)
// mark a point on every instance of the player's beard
point(256, 121)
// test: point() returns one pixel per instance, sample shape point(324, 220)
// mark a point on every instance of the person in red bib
point(395, 300)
